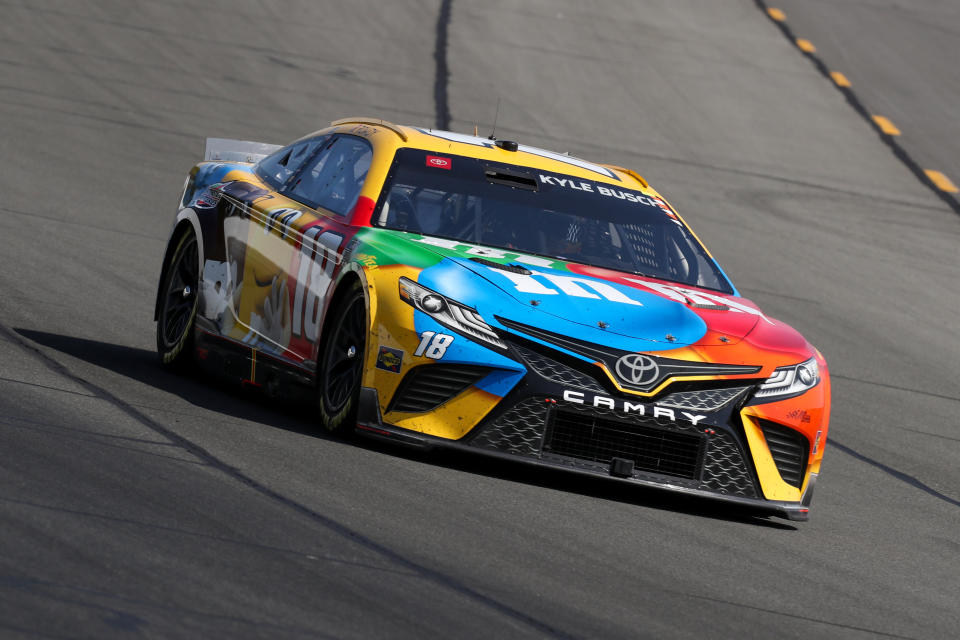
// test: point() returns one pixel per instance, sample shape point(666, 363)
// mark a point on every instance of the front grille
point(558, 372)
point(522, 430)
point(789, 451)
point(724, 470)
point(599, 439)
point(667, 368)
point(702, 399)
point(428, 386)
point(519, 430)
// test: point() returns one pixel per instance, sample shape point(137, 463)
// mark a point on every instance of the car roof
point(383, 133)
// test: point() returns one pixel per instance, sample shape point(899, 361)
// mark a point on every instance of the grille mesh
point(600, 440)
point(724, 470)
point(789, 451)
point(557, 372)
point(703, 399)
point(428, 386)
point(518, 431)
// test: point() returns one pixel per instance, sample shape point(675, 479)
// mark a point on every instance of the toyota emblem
point(638, 369)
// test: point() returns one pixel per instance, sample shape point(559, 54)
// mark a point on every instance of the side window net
point(336, 175)
point(278, 167)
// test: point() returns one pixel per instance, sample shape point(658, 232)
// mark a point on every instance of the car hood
point(594, 304)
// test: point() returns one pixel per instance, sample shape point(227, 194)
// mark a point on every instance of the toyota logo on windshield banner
point(439, 162)
point(638, 369)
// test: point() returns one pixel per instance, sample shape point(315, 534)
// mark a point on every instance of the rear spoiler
point(225, 150)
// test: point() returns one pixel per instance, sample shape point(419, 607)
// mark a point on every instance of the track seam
point(441, 78)
point(432, 575)
point(899, 475)
point(854, 101)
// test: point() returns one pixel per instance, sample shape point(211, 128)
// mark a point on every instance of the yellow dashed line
point(943, 182)
point(886, 126)
point(840, 79)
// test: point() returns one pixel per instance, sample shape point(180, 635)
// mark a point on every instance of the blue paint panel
point(463, 350)
point(500, 382)
point(633, 327)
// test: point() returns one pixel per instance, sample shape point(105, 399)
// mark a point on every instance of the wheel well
point(343, 286)
point(182, 227)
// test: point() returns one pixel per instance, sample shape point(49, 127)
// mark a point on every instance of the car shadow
point(226, 398)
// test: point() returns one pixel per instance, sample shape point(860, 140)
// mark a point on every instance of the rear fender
point(203, 225)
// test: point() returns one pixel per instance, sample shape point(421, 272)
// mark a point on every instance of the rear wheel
point(341, 361)
point(178, 302)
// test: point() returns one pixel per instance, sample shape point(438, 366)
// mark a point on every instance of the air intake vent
point(789, 451)
point(428, 386)
point(579, 435)
point(512, 268)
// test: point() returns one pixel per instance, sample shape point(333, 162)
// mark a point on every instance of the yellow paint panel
point(806, 46)
point(943, 182)
point(773, 486)
point(776, 14)
point(886, 126)
point(453, 419)
point(839, 79)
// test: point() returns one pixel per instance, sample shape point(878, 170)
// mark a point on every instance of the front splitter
point(794, 511)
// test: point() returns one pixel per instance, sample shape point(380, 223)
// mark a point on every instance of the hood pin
point(671, 337)
point(603, 325)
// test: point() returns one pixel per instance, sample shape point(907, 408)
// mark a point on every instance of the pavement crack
point(800, 617)
point(441, 77)
point(895, 387)
point(43, 386)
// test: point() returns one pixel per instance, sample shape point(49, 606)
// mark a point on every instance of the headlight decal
point(448, 313)
point(790, 381)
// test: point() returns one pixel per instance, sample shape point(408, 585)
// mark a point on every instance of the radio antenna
point(496, 114)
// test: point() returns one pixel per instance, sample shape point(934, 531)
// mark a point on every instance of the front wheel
point(341, 361)
point(178, 302)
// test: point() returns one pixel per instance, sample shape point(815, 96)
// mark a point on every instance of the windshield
point(539, 212)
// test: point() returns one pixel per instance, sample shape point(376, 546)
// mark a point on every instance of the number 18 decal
point(433, 344)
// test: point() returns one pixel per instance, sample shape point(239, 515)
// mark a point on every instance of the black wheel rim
point(180, 297)
point(344, 361)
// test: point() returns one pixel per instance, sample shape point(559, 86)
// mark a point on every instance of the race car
point(438, 289)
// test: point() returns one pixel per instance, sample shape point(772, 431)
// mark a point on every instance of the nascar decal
point(390, 359)
point(543, 153)
point(486, 252)
point(318, 256)
point(610, 192)
point(625, 406)
point(540, 284)
point(440, 162)
point(699, 299)
point(433, 345)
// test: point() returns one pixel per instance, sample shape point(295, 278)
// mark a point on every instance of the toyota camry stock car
point(440, 289)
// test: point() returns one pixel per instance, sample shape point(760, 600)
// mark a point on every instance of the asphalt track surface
point(901, 61)
point(134, 503)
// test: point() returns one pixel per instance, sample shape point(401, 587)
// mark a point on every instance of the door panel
point(283, 253)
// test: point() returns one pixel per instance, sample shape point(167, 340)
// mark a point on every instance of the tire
point(178, 303)
point(340, 365)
